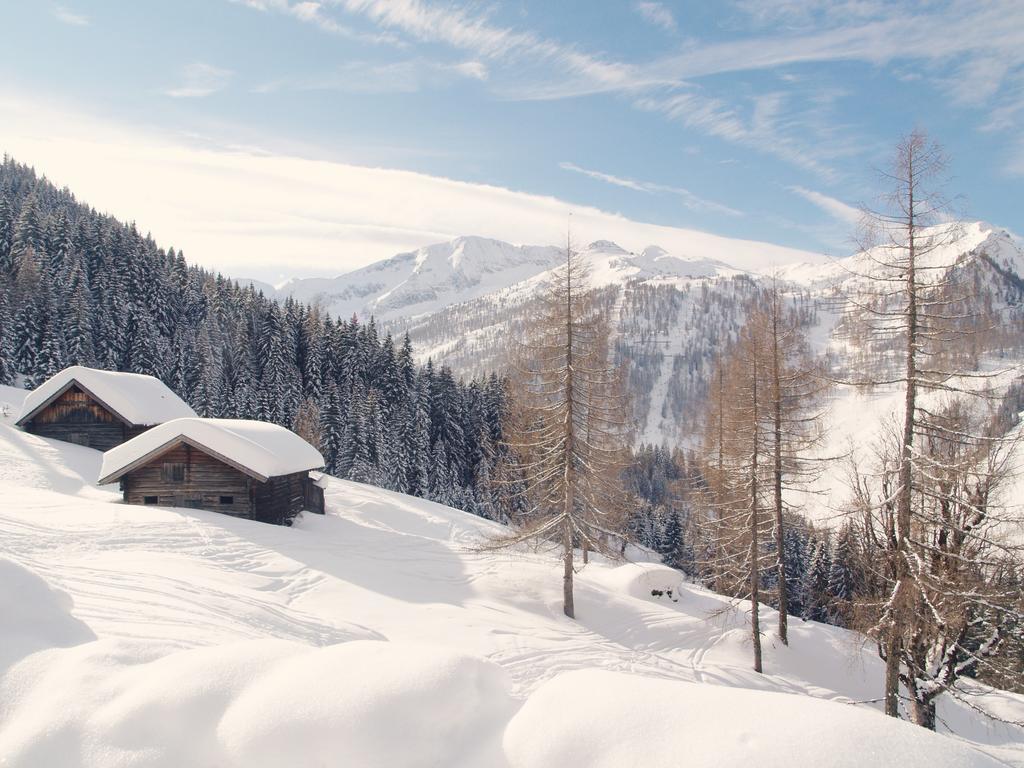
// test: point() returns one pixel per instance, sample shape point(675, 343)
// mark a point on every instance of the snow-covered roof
point(257, 448)
point(137, 399)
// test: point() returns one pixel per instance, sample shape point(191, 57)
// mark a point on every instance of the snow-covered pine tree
point(6, 338)
point(816, 582)
point(841, 577)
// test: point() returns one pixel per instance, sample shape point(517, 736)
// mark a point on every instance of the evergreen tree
point(840, 577)
point(6, 236)
point(816, 596)
point(6, 339)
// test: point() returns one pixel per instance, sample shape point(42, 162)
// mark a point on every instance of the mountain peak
point(606, 246)
point(653, 252)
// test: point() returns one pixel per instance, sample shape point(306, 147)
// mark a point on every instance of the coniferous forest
point(81, 288)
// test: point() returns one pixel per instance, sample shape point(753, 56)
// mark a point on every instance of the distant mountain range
point(463, 300)
point(435, 277)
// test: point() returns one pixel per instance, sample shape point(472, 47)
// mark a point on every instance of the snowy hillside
point(411, 284)
point(998, 245)
point(380, 635)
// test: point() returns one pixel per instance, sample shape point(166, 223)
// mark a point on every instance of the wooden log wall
point(314, 500)
point(204, 483)
point(74, 417)
point(281, 498)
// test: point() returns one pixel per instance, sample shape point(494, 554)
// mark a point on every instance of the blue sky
point(757, 119)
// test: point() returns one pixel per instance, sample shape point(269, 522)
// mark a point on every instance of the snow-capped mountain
point(946, 245)
point(414, 284)
point(423, 281)
point(461, 302)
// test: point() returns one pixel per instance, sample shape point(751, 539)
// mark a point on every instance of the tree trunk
point(569, 457)
point(568, 605)
point(755, 571)
point(905, 500)
point(780, 533)
point(892, 676)
point(923, 713)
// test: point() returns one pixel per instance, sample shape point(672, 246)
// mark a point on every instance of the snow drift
point(605, 720)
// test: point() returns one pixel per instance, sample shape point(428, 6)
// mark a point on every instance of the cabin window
point(80, 438)
point(149, 499)
point(227, 499)
point(174, 471)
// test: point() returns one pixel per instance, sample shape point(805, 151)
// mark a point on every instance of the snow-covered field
point(380, 635)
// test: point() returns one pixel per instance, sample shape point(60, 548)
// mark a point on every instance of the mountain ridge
point(461, 301)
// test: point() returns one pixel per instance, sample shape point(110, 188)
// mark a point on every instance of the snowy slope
point(380, 635)
point(422, 281)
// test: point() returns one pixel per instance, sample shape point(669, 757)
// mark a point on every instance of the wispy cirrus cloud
point(200, 79)
point(464, 30)
point(689, 199)
point(837, 209)
point(65, 15)
point(315, 14)
point(983, 41)
point(766, 125)
point(409, 76)
point(656, 14)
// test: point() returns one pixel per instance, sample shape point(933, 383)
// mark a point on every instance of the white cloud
point(200, 79)
point(656, 14)
point(690, 200)
point(460, 29)
point(636, 186)
point(256, 214)
point(67, 16)
point(1015, 167)
point(372, 77)
point(761, 131)
point(837, 209)
point(986, 40)
point(313, 13)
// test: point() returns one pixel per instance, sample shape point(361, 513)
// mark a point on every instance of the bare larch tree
point(571, 427)
point(929, 506)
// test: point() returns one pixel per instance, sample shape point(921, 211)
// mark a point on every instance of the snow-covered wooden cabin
point(243, 468)
point(99, 409)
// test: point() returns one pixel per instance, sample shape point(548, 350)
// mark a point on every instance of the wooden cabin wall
point(281, 498)
point(205, 481)
point(135, 431)
point(314, 496)
point(74, 417)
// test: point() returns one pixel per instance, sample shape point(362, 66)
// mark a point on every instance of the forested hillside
point(79, 287)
